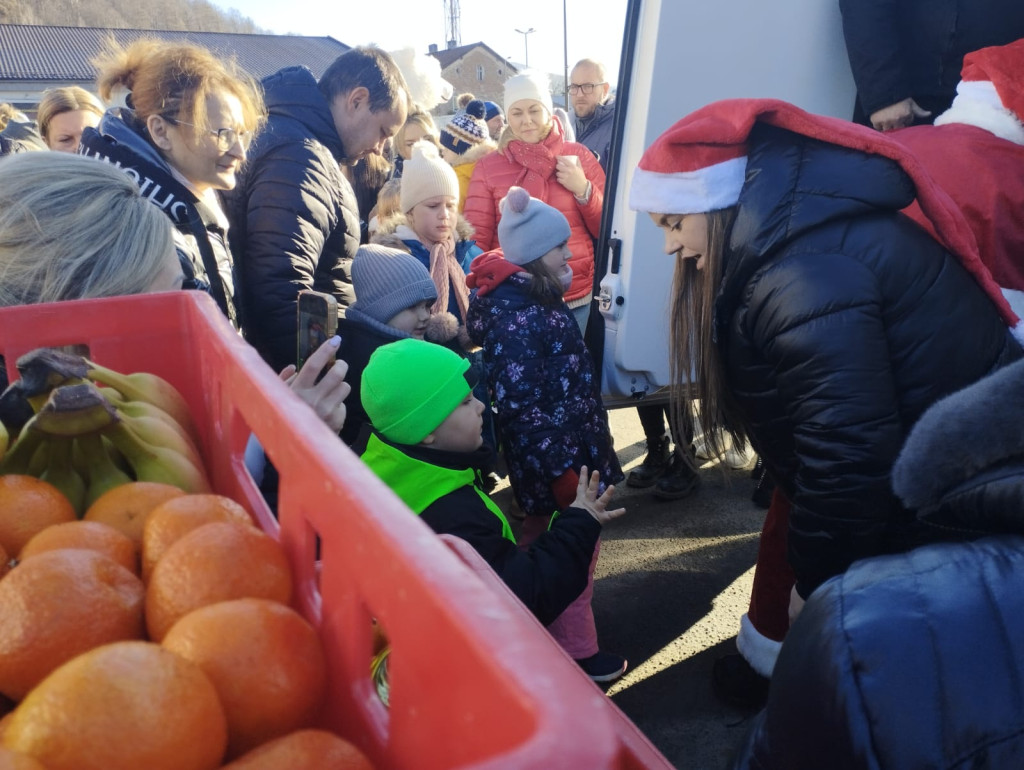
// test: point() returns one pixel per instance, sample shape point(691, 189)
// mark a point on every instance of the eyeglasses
point(226, 137)
point(587, 88)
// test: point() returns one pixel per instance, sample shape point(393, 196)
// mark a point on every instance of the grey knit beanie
point(529, 228)
point(387, 281)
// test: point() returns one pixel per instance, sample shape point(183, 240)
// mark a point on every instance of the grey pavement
point(672, 581)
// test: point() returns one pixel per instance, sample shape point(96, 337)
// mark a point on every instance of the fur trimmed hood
point(962, 466)
point(476, 152)
point(386, 231)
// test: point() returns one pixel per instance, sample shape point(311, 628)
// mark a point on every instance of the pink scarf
point(537, 161)
point(445, 271)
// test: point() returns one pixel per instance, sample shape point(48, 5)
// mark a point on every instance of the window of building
point(480, 72)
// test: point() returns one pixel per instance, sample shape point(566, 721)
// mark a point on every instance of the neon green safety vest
point(419, 483)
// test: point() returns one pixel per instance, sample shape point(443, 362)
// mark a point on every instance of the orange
point(214, 563)
point(265, 661)
point(5, 562)
point(304, 750)
point(29, 505)
point(13, 760)
point(122, 706)
point(127, 506)
point(60, 604)
point(172, 519)
point(91, 535)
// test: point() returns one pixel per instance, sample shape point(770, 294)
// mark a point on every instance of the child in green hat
point(426, 446)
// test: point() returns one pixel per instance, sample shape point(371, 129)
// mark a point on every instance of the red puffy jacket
point(497, 172)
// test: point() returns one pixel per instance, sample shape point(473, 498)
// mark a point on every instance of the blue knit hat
point(387, 281)
point(466, 129)
point(529, 228)
point(492, 110)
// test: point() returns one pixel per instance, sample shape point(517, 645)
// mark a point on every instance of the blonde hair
point(74, 228)
point(463, 100)
point(174, 80)
point(696, 368)
point(389, 200)
point(419, 118)
point(6, 113)
point(57, 101)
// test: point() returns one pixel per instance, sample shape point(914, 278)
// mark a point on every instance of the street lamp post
point(526, 42)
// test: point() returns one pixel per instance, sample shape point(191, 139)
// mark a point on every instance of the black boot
point(735, 682)
point(678, 482)
point(653, 466)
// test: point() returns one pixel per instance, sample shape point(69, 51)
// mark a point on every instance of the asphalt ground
point(671, 584)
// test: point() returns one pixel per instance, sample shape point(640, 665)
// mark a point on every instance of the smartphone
point(317, 323)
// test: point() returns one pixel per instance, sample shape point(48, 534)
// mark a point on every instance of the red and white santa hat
point(990, 94)
point(699, 165)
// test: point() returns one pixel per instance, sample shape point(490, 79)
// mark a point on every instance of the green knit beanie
point(410, 387)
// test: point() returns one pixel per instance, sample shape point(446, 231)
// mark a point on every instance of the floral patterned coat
point(550, 415)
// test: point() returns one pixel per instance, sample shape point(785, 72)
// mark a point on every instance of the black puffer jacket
point(915, 48)
point(294, 218)
point(840, 321)
point(905, 661)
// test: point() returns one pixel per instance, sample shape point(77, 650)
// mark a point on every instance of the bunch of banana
point(86, 440)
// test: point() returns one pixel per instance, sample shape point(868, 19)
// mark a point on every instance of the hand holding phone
point(317, 323)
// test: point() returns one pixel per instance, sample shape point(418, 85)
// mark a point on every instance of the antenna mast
point(451, 15)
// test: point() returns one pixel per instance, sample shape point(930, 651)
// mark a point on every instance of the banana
point(72, 410)
point(101, 471)
point(62, 475)
point(44, 369)
point(47, 368)
point(155, 463)
point(19, 457)
point(154, 425)
point(142, 386)
point(40, 457)
point(5, 440)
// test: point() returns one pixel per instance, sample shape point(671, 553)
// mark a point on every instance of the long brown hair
point(696, 366)
point(545, 286)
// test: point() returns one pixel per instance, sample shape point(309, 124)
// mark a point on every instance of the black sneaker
point(736, 683)
point(603, 666)
point(679, 482)
point(653, 466)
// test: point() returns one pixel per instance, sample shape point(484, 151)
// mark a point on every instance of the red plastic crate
point(475, 681)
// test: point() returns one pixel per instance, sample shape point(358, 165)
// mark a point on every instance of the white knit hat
point(425, 175)
point(529, 85)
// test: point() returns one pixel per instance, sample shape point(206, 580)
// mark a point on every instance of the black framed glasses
point(226, 137)
point(587, 88)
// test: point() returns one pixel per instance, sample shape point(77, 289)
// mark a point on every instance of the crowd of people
point(462, 260)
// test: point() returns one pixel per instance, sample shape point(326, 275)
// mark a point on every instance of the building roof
point(43, 52)
point(449, 56)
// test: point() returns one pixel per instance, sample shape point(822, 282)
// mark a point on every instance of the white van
point(679, 55)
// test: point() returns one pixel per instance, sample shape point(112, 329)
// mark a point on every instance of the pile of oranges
point(153, 633)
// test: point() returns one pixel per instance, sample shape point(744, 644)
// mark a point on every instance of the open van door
point(679, 55)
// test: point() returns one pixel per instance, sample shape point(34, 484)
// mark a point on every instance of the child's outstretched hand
point(588, 499)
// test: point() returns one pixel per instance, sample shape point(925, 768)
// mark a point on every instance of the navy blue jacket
point(550, 414)
point(915, 48)
point(294, 216)
point(906, 661)
point(840, 321)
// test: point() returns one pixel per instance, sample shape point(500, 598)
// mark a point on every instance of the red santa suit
point(975, 153)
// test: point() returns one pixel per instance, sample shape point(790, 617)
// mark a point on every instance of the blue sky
point(595, 30)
